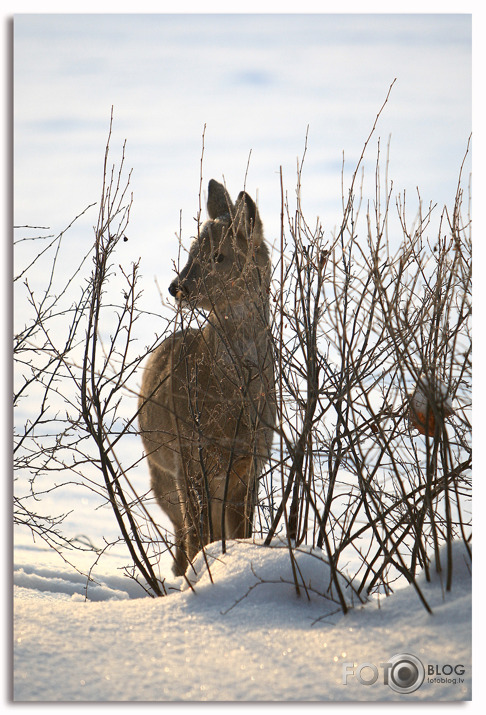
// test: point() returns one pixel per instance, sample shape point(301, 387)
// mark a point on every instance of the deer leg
point(239, 506)
point(180, 559)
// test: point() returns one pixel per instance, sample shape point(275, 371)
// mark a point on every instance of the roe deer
point(207, 404)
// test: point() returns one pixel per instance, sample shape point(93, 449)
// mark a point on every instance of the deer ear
point(251, 209)
point(251, 217)
point(219, 202)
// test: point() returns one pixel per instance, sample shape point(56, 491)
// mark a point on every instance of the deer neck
point(240, 330)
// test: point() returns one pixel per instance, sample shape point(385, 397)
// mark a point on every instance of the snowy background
point(257, 83)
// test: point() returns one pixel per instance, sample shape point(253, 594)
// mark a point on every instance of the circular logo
point(406, 673)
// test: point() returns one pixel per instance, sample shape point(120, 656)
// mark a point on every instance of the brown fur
point(207, 406)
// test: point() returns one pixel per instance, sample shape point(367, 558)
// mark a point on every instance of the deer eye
point(218, 257)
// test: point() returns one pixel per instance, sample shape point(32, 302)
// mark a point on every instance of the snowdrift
point(243, 633)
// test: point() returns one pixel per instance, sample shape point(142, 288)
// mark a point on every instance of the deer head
point(229, 262)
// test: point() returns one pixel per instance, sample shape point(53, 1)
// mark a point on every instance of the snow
point(242, 634)
point(247, 636)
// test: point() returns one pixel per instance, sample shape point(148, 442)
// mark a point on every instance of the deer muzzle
point(176, 290)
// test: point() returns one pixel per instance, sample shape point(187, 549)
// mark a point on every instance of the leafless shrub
point(372, 345)
point(74, 363)
point(374, 350)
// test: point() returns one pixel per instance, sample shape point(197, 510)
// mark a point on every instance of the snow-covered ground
point(167, 78)
point(244, 636)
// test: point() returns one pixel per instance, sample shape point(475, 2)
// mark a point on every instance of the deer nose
point(176, 290)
